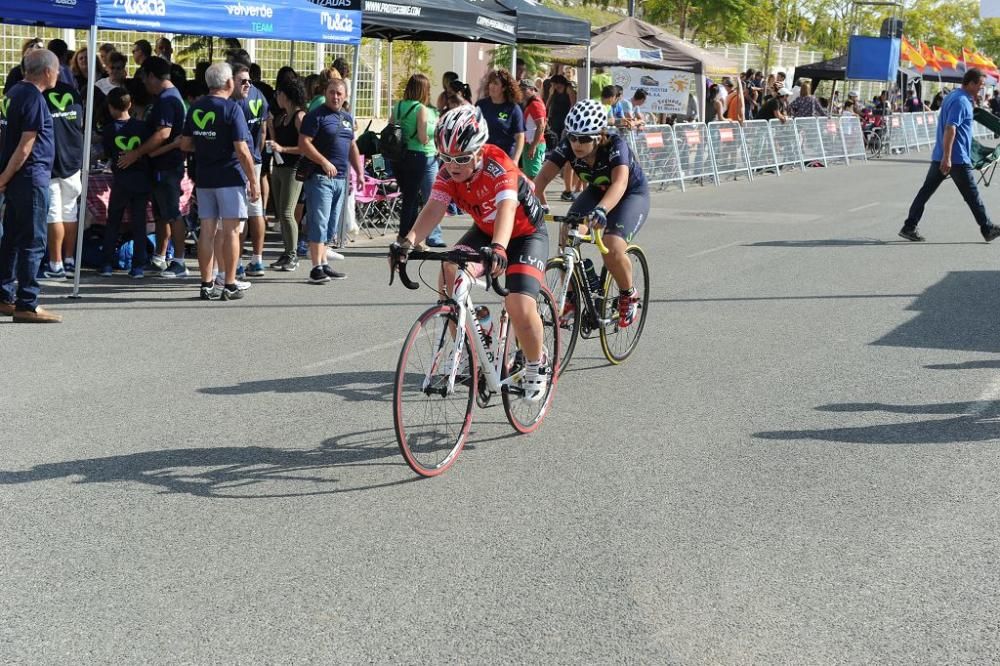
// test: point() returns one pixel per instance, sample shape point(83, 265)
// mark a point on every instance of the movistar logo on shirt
point(127, 143)
point(203, 119)
point(589, 178)
point(255, 106)
point(4, 105)
point(60, 102)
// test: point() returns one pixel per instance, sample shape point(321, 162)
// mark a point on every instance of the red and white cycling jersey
point(497, 180)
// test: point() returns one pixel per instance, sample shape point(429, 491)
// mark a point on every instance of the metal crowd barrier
point(923, 136)
point(910, 131)
point(729, 147)
point(694, 152)
point(854, 137)
point(786, 143)
point(810, 140)
point(656, 150)
point(931, 121)
point(895, 135)
point(760, 146)
point(832, 139)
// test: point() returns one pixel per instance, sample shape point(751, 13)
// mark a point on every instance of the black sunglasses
point(581, 138)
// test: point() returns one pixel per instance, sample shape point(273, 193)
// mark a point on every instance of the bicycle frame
point(573, 261)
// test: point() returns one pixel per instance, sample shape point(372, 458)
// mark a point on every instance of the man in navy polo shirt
point(216, 132)
point(256, 111)
point(26, 155)
point(952, 156)
point(66, 107)
point(165, 118)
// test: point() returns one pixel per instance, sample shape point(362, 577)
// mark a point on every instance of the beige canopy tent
point(634, 43)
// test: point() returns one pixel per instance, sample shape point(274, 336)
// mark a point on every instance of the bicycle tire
point(427, 438)
point(555, 271)
point(526, 416)
point(617, 343)
point(875, 145)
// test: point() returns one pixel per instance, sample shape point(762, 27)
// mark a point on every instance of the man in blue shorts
point(952, 156)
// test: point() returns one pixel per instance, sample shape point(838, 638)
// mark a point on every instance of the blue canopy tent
point(337, 21)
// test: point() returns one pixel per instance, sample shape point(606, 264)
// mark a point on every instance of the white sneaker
point(240, 284)
point(535, 379)
point(333, 255)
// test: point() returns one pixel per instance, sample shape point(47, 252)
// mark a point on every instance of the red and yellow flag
point(910, 54)
point(928, 55)
point(945, 57)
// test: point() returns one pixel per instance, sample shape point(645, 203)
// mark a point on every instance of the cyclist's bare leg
point(618, 262)
point(523, 311)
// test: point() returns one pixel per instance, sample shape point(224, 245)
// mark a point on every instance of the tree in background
point(536, 58)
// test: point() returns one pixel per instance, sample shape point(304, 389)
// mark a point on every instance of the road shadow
point(968, 365)
point(363, 386)
point(958, 313)
point(250, 472)
point(231, 472)
point(974, 421)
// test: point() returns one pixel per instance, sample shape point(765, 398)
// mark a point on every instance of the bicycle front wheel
point(559, 281)
point(617, 342)
point(432, 421)
point(523, 414)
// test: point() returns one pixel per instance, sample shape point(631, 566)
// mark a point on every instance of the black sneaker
point(332, 274)
point(318, 276)
point(293, 264)
point(212, 293)
point(566, 196)
point(231, 294)
point(280, 264)
point(912, 235)
point(990, 233)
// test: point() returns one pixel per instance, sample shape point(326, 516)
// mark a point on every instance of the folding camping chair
point(377, 202)
point(984, 158)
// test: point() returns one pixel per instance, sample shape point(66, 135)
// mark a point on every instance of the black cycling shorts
point(526, 257)
point(624, 220)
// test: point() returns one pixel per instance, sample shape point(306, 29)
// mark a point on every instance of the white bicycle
point(441, 372)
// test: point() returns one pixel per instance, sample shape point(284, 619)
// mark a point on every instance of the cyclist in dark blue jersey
point(617, 196)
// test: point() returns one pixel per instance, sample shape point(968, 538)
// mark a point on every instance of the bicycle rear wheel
point(524, 415)
point(558, 279)
point(431, 422)
point(619, 343)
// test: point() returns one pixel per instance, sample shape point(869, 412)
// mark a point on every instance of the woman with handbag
point(291, 98)
point(418, 168)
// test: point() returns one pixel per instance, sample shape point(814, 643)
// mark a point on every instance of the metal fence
point(729, 149)
point(810, 141)
point(656, 150)
point(760, 146)
point(694, 152)
point(689, 151)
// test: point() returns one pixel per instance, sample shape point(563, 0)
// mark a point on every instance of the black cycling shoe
point(990, 233)
point(912, 235)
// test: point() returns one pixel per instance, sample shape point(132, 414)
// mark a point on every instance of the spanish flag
point(928, 55)
point(945, 57)
point(910, 54)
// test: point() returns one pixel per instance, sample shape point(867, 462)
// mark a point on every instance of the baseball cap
point(528, 84)
point(854, 93)
point(784, 92)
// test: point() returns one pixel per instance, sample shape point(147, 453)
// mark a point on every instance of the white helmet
point(586, 117)
point(461, 130)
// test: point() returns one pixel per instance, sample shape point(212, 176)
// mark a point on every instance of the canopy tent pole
point(701, 95)
point(390, 78)
point(291, 54)
point(354, 79)
point(588, 76)
point(513, 60)
point(88, 124)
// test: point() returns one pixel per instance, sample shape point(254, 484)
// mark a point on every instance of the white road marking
point(857, 208)
point(360, 352)
point(988, 398)
point(714, 249)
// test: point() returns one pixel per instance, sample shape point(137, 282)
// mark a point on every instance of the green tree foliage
point(408, 58)
point(536, 58)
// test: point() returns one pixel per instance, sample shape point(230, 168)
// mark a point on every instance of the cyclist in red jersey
point(484, 181)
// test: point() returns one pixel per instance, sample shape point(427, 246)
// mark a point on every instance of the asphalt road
point(799, 465)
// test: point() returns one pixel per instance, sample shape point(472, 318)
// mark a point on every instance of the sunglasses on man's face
point(457, 159)
point(581, 138)
point(243, 82)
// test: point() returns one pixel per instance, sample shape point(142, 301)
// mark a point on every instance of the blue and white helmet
point(587, 117)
